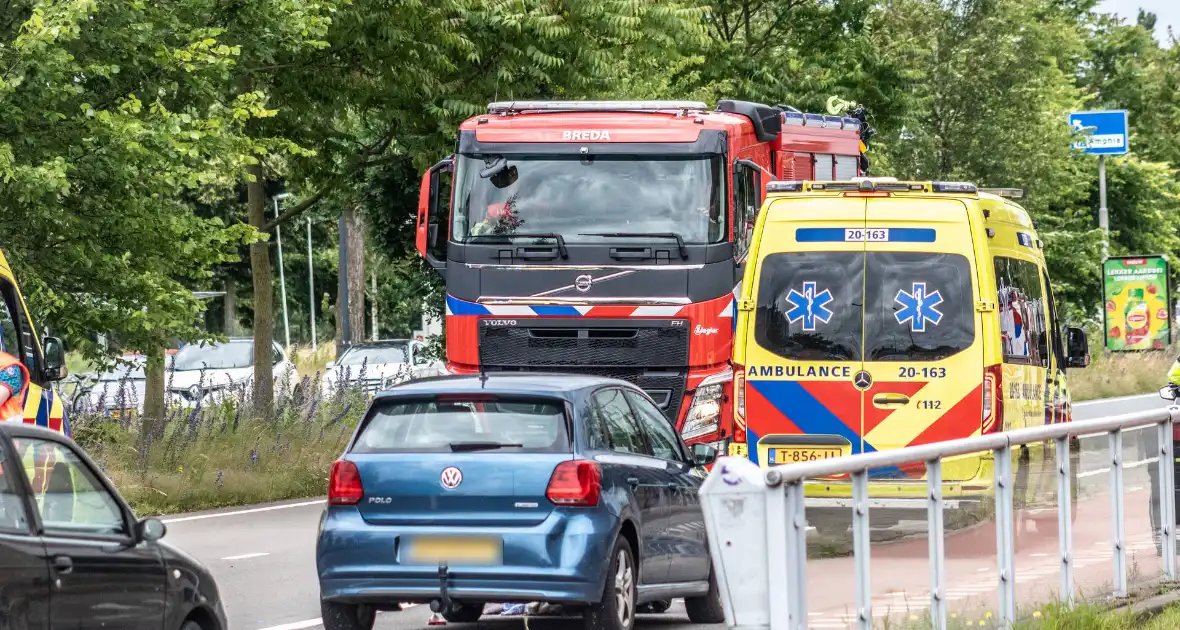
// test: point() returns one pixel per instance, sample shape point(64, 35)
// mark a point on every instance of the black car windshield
point(574, 196)
point(370, 355)
point(517, 425)
point(204, 356)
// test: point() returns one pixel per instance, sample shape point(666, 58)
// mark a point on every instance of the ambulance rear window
point(809, 305)
point(919, 306)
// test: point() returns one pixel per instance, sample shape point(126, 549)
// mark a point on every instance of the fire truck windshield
point(590, 199)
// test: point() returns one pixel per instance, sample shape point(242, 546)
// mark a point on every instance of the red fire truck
point(608, 237)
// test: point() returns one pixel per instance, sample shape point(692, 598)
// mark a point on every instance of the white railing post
point(1065, 509)
point(796, 554)
point(1005, 537)
point(741, 544)
point(861, 549)
point(937, 545)
point(1167, 477)
point(1117, 512)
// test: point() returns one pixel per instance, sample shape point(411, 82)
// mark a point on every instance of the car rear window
point(498, 425)
point(809, 305)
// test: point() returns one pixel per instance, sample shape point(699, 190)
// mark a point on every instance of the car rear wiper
point(457, 447)
point(508, 237)
point(679, 239)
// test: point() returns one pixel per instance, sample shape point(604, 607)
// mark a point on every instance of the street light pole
point(282, 273)
point(311, 285)
point(1103, 212)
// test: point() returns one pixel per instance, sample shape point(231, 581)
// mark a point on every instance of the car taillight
point(344, 486)
point(576, 483)
point(993, 400)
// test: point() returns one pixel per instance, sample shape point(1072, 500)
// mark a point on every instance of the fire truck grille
point(665, 388)
point(653, 354)
point(546, 344)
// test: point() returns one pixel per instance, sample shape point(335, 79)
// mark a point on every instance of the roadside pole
point(1103, 212)
point(282, 273)
point(342, 288)
point(311, 286)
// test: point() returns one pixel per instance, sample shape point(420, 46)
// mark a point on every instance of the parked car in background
point(70, 546)
point(376, 365)
point(115, 393)
point(207, 371)
point(464, 490)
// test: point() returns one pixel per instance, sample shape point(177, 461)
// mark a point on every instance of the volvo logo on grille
point(498, 322)
point(583, 283)
point(451, 477)
point(862, 380)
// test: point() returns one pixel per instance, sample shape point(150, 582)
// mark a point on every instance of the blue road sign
point(1105, 131)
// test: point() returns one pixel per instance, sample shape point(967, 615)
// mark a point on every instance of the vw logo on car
point(451, 477)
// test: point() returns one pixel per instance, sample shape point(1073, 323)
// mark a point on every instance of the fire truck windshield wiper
point(508, 238)
point(679, 239)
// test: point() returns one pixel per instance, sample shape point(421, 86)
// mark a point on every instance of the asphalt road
point(264, 557)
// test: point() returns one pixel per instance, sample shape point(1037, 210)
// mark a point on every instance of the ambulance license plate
point(796, 455)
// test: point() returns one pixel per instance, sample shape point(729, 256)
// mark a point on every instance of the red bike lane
point(900, 571)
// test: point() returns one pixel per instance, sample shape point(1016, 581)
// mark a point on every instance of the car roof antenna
point(483, 376)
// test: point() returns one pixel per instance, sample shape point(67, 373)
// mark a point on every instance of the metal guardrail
point(757, 526)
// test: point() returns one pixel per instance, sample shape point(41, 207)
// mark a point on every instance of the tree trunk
point(231, 307)
point(154, 408)
point(356, 276)
point(264, 321)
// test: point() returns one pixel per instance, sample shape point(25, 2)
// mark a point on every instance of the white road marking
point(246, 555)
point(1099, 401)
point(1104, 471)
point(312, 623)
point(298, 625)
point(269, 508)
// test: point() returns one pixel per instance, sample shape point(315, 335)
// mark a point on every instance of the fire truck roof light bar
point(800, 119)
point(867, 184)
point(509, 107)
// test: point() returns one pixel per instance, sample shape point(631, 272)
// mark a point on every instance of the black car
point(73, 555)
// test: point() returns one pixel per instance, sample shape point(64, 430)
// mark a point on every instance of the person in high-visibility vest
point(14, 381)
point(1149, 443)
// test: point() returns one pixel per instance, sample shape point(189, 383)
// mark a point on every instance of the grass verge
point(1121, 374)
point(219, 454)
point(1057, 617)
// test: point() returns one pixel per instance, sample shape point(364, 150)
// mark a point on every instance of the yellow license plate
point(796, 455)
point(116, 414)
point(436, 550)
point(738, 450)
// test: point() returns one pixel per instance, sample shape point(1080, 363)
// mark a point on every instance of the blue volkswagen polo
point(462, 490)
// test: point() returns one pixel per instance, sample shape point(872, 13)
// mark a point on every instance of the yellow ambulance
point(876, 314)
point(44, 358)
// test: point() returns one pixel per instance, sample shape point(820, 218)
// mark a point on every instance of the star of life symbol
point(918, 307)
point(809, 306)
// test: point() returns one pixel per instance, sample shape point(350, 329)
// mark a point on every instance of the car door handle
point(890, 400)
point(63, 564)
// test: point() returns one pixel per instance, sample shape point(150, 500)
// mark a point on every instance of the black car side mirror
point(150, 530)
point(703, 454)
point(1078, 348)
point(54, 366)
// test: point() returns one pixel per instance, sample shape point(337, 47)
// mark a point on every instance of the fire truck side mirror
point(434, 198)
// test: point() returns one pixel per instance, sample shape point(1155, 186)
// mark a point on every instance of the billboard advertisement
point(1138, 303)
